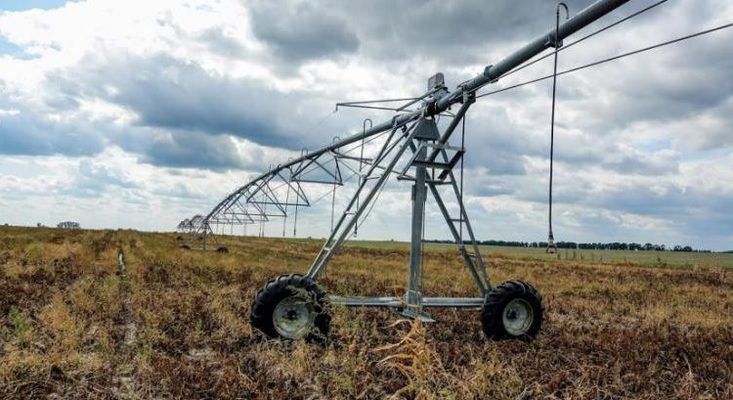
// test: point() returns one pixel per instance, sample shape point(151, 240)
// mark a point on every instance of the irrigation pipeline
point(609, 59)
point(588, 36)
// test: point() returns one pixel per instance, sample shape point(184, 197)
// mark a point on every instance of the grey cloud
point(181, 191)
point(452, 32)
point(102, 173)
point(28, 133)
point(501, 146)
point(496, 144)
point(658, 199)
point(168, 93)
point(630, 161)
point(697, 216)
point(670, 84)
point(94, 180)
point(302, 31)
point(215, 39)
point(221, 43)
point(182, 149)
point(193, 151)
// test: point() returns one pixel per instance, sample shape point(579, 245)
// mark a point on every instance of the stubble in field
point(175, 325)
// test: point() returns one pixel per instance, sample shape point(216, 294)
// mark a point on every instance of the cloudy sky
point(137, 113)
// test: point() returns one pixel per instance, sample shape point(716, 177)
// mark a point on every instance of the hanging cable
point(295, 220)
point(609, 59)
point(551, 247)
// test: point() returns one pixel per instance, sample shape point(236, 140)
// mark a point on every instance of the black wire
point(550, 237)
point(605, 60)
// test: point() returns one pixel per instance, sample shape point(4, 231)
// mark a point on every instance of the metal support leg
point(413, 297)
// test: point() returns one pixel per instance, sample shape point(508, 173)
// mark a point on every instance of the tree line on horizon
point(585, 246)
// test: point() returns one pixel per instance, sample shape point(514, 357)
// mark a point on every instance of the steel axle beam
point(396, 302)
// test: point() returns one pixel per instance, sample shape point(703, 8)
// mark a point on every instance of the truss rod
point(376, 107)
point(349, 103)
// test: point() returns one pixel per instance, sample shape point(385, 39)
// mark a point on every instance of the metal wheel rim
point(517, 317)
point(293, 317)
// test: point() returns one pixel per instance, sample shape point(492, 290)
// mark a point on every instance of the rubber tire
point(284, 286)
point(493, 310)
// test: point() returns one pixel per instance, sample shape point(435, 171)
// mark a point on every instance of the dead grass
point(613, 331)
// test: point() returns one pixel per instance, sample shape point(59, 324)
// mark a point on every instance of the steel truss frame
point(419, 137)
point(282, 190)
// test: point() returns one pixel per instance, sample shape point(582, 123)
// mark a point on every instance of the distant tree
point(68, 225)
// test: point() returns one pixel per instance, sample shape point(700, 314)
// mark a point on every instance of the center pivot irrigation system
point(410, 147)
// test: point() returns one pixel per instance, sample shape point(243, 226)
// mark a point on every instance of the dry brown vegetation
point(175, 326)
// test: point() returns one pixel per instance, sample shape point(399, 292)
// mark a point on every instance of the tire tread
point(496, 300)
point(280, 287)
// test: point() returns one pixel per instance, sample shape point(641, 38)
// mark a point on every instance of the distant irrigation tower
point(190, 225)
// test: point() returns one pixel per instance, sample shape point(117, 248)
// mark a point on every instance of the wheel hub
point(517, 317)
point(293, 317)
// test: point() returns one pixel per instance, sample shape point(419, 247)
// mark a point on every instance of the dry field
point(174, 324)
